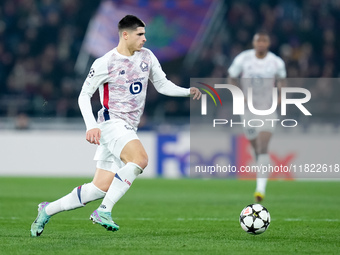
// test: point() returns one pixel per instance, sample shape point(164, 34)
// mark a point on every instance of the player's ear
point(269, 41)
point(125, 34)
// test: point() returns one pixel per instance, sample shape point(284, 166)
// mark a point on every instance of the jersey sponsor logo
point(135, 80)
point(91, 73)
point(135, 88)
point(144, 66)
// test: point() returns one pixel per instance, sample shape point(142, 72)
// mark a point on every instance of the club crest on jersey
point(122, 72)
point(91, 73)
point(144, 66)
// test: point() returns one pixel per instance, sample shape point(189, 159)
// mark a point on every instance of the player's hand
point(93, 136)
point(195, 92)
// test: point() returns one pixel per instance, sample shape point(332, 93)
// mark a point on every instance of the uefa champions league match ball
point(255, 219)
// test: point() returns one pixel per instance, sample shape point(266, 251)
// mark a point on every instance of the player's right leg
point(120, 145)
point(252, 133)
point(104, 218)
point(78, 197)
point(263, 159)
point(260, 182)
point(135, 159)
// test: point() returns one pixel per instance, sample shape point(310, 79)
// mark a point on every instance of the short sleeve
point(281, 69)
point(236, 67)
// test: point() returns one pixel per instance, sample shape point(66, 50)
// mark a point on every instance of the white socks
point(88, 192)
point(78, 197)
point(121, 183)
point(261, 179)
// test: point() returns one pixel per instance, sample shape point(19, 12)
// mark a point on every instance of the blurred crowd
point(41, 39)
point(39, 45)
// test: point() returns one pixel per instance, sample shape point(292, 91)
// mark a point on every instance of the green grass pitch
point(186, 216)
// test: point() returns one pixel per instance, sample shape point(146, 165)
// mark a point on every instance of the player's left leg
point(78, 197)
point(263, 159)
point(83, 194)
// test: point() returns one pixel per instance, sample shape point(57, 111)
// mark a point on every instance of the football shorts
point(115, 134)
point(254, 124)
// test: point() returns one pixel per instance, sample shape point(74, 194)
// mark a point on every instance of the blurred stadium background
point(47, 47)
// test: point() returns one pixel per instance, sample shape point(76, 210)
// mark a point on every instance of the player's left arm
point(165, 86)
point(195, 93)
point(280, 78)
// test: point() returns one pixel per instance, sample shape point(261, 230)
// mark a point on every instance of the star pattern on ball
point(254, 219)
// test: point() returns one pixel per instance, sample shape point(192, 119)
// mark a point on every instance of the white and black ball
point(255, 219)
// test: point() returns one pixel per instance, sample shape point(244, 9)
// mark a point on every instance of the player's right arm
point(96, 77)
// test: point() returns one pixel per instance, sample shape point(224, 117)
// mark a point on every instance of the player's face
point(261, 43)
point(137, 39)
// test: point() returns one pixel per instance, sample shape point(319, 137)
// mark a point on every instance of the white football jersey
point(122, 82)
point(259, 74)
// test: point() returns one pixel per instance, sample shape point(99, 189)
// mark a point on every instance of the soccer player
point(260, 70)
point(121, 76)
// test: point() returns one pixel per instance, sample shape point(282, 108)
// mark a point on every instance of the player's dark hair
point(262, 32)
point(130, 22)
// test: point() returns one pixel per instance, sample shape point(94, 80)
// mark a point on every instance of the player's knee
point(142, 161)
point(140, 158)
point(262, 150)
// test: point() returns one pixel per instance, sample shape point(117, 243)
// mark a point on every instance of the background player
point(122, 77)
point(261, 70)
